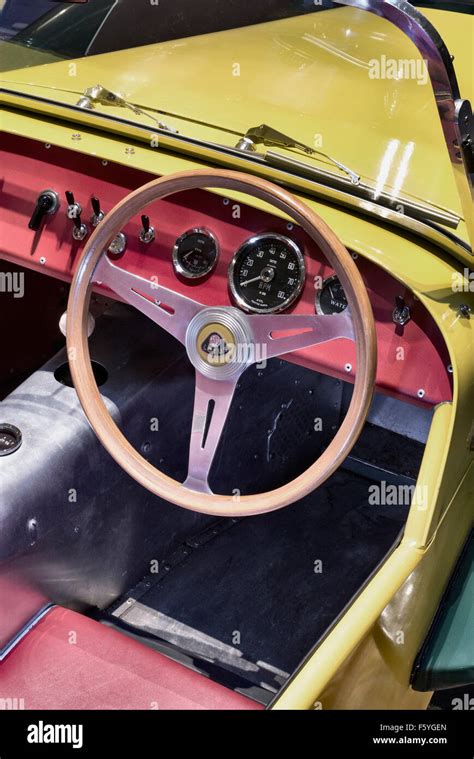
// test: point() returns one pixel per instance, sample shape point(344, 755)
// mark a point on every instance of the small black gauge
point(331, 298)
point(267, 274)
point(195, 253)
point(10, 439)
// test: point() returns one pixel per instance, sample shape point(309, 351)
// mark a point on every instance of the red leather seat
point(68, 661)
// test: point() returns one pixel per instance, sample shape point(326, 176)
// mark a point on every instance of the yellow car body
point(309, 76)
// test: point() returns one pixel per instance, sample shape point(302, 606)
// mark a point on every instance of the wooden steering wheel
point(216, 378)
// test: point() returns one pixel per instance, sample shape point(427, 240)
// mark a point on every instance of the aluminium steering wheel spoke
point(212, 400)
point(165, 307)
point(277, 334)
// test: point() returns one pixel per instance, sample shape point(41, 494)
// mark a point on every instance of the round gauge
point(331, 298)
point(195, 253)
point(267, 273)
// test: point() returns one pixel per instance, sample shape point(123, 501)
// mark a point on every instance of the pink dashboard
point(413, 362)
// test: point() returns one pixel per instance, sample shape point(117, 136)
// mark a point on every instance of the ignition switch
point(47, 204)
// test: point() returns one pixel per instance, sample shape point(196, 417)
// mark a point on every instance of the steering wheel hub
point(219, 343)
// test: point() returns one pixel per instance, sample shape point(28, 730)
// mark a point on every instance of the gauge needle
point(331, 292)
point(248, 281)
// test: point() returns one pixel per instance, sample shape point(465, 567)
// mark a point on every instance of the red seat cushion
point(68, 661)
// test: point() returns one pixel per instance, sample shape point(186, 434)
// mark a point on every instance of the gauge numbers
point(267, 274)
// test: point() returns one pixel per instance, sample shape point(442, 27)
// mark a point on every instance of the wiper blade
point(99, 94)
point(265, 135)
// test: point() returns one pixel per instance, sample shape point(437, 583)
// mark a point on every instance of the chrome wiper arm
point(265, 135)
point(99, 94)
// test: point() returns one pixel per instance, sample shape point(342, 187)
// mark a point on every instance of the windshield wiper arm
point(265, 135)
point(99, 94)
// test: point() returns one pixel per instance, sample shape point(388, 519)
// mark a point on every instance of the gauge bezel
point(179, 269)
point(250, 242)
point(317, 301)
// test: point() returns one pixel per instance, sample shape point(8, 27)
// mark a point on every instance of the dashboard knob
point(118, 246)
point(47, 204)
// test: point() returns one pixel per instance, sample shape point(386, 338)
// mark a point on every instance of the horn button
point(219, 342)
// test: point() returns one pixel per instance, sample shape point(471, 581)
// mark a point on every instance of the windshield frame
point(228, 157)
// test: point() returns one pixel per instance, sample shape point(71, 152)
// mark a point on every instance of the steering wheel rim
point(95, 408)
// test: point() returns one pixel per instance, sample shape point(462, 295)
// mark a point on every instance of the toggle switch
point(73, 209)
point(147, 233)
point(98, 214)
point(79, 230)
point(401, 313)
point(73, 212)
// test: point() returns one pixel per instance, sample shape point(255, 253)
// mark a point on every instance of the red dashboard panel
point(412, 365)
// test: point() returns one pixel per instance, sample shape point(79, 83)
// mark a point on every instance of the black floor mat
point(254, 595)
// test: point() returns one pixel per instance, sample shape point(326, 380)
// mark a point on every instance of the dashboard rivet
point(129, 151)
point(421, 393)
point(289, 226)
point(76, 136)
point(47, 145)
point(42, 260)
point(348, 367)
point(104, 162)
point(226, 201)
point(450, 368)
point(355, 256)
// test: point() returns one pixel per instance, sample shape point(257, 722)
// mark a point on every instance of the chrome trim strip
point(13, 642)
point(410, 207)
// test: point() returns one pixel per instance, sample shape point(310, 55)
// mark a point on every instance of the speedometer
point(267, 273)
